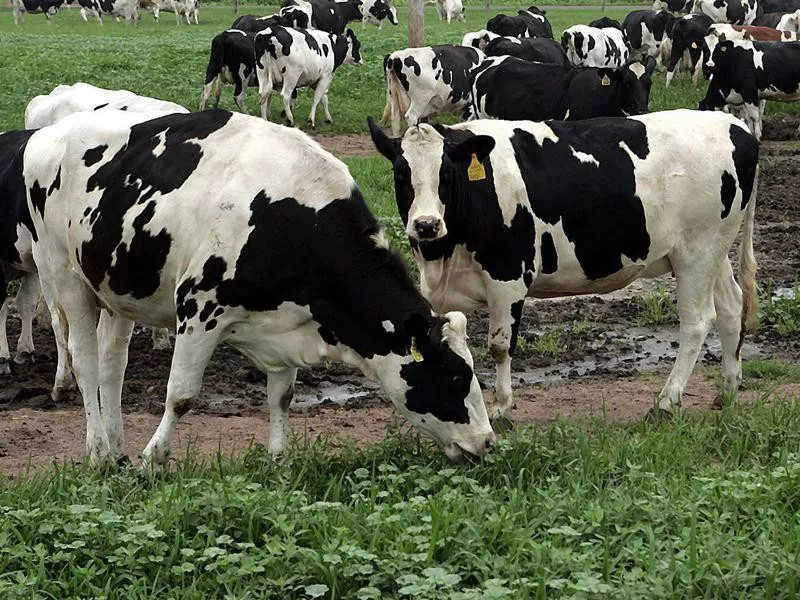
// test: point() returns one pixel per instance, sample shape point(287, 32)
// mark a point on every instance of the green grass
point(656, 307)
point(770, 371)
point(703, 507)
point(781, 313)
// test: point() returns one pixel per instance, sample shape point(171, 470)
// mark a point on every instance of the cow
point(606, 22)
point(428, 81)
point(253, 24)
point(674, 6)
point(478, 39)
point(510, 88)
point(778, 6)
point(278, 273)
point(500, 210)
point(782, 21)
point(744, 73)
point(530, 22)
point(592, 47)
point(127, 9)
point(645, 30)
point(375, 11)
point(736, 12)
point(542, 50)
point(232, 60)
point(189, 9)
point(327, 15)
point(687, 35)
point(47, 7)
point(300, 57)
point(450, 10)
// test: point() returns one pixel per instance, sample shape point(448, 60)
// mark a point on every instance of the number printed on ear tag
point(476, 171)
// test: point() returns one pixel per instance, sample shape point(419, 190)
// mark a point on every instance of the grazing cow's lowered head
point(633, 82)
point(430, 174)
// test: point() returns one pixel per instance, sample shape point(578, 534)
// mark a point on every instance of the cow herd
point(559, 183)
point(129, 10)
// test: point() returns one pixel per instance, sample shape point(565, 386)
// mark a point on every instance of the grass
point(705, 506)
point(656, 307)
point(781, 312)
point(770, 371)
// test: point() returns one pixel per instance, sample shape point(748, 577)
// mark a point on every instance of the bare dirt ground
point(608, 366)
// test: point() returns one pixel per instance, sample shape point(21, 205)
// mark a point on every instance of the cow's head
point(381, 9)
point(434, 385)
point(632, 83)
point(353, 56)
point(430, 172)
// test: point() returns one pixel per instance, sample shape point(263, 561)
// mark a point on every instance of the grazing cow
point(737, 12)
point(327, 15)
point(127, 9)
point(645, 30)
point(375, 11)
point(592, 47)
point(781, 21)
point(500, 210)
point(450, 10)
point(542, 50)
point(428, 81)
point(189, 9)
point(232, 60)
point(687, 35)
point(674, 6)
point(47, 7)
point(298, 58)
point(778, 6)
point(253, 24)
point(278, 274)
point(478, 39)
point(744, 73)
point(530, 22)
point(510, 88)
point(606, 22)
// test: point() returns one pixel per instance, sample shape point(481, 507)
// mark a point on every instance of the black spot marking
point(549, 255)
point(99, 106)
point(728, 193)
point(94, 155)
point(745, 160)
point(516, 318)
point(208, 308)
point(38, 196)
point(56, 185)
point(211, 324)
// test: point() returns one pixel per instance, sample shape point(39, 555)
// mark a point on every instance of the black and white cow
point(327, 15)
point(47, 7)
point(592, 47)
point(500, 210)
point(674, 6)
point(450, 10)
point(188, 9)
point(510, 88)
point(428, 81)
point(737, 12)
point(781, 21)
point(606, 22)
point(298, 58)
point(744, 73)
point(645, 30)
point(279, 272)
point(232, 60)
point(530, 22)
point(126, 9)
point(542, 50)
point(478, 39)
point(687, 35)
point(778, 6)
point(375, 11)
point(254, 24)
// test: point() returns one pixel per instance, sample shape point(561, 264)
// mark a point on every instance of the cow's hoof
point(658, 415)
point(502, 424)
point(722, 401)
point(5, 368)
point(329, 120)
point(23, 358)
point(61, 394)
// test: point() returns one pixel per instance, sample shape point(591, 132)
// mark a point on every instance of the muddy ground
point(602, 361)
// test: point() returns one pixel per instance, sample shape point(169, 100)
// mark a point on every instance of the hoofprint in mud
point(500, 210)
point(116, 202)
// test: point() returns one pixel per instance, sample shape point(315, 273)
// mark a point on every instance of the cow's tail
point(214, 68)
point(266, 84)
point(747, 265)
point(397, 100)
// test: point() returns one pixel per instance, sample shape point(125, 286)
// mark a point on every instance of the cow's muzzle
point(427, 228)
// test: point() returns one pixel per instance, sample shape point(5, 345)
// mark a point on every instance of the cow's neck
point(340, 47)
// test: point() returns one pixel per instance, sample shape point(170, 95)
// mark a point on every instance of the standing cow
point(375, 11)
point(541, 50)
point(530, 22)
point(592, 47)
point(278, 273)
point(428, 81)
point(327, 15)
point(737, 12)
point(646, 30)
point(450, 10)
point(126, 9)
point(500, 210)
point(687, 35)
point(232, 60)
point(47, 7)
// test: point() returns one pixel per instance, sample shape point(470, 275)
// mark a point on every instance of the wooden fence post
point(416, 23)
point(236, 7)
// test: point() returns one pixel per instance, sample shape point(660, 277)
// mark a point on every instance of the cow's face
point(634, 82)
point(436, 389)
point(353, 56)
point(792, 23)
point(429, 174)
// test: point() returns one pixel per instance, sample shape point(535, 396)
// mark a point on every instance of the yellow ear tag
point(605, 80)
point(476, 172)
point(415, 353)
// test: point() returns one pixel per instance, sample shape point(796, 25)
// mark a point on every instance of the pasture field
point(704, 507)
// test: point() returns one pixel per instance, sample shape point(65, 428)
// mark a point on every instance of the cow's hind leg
point(320, 92)
point(5, 353)
point(280, 389)
point(114, 336)
point(695, 291)
point(728, 305)
point(328, 118)
point(27, 297)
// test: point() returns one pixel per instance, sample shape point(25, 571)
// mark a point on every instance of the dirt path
point(347, 145)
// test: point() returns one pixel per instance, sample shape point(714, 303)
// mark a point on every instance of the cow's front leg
point(27, 297)
point(505, 312)
point(114, 336)
point(751, 115)
point(280, 390)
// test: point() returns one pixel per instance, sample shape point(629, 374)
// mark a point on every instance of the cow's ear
point(650, 66)
point(606, 75)
point(479, 145)
point(417, 336)
point(389, 147)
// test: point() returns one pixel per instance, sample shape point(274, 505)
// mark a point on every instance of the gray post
point(416, 23)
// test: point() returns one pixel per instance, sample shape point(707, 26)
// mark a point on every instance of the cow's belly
point(779, 95)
